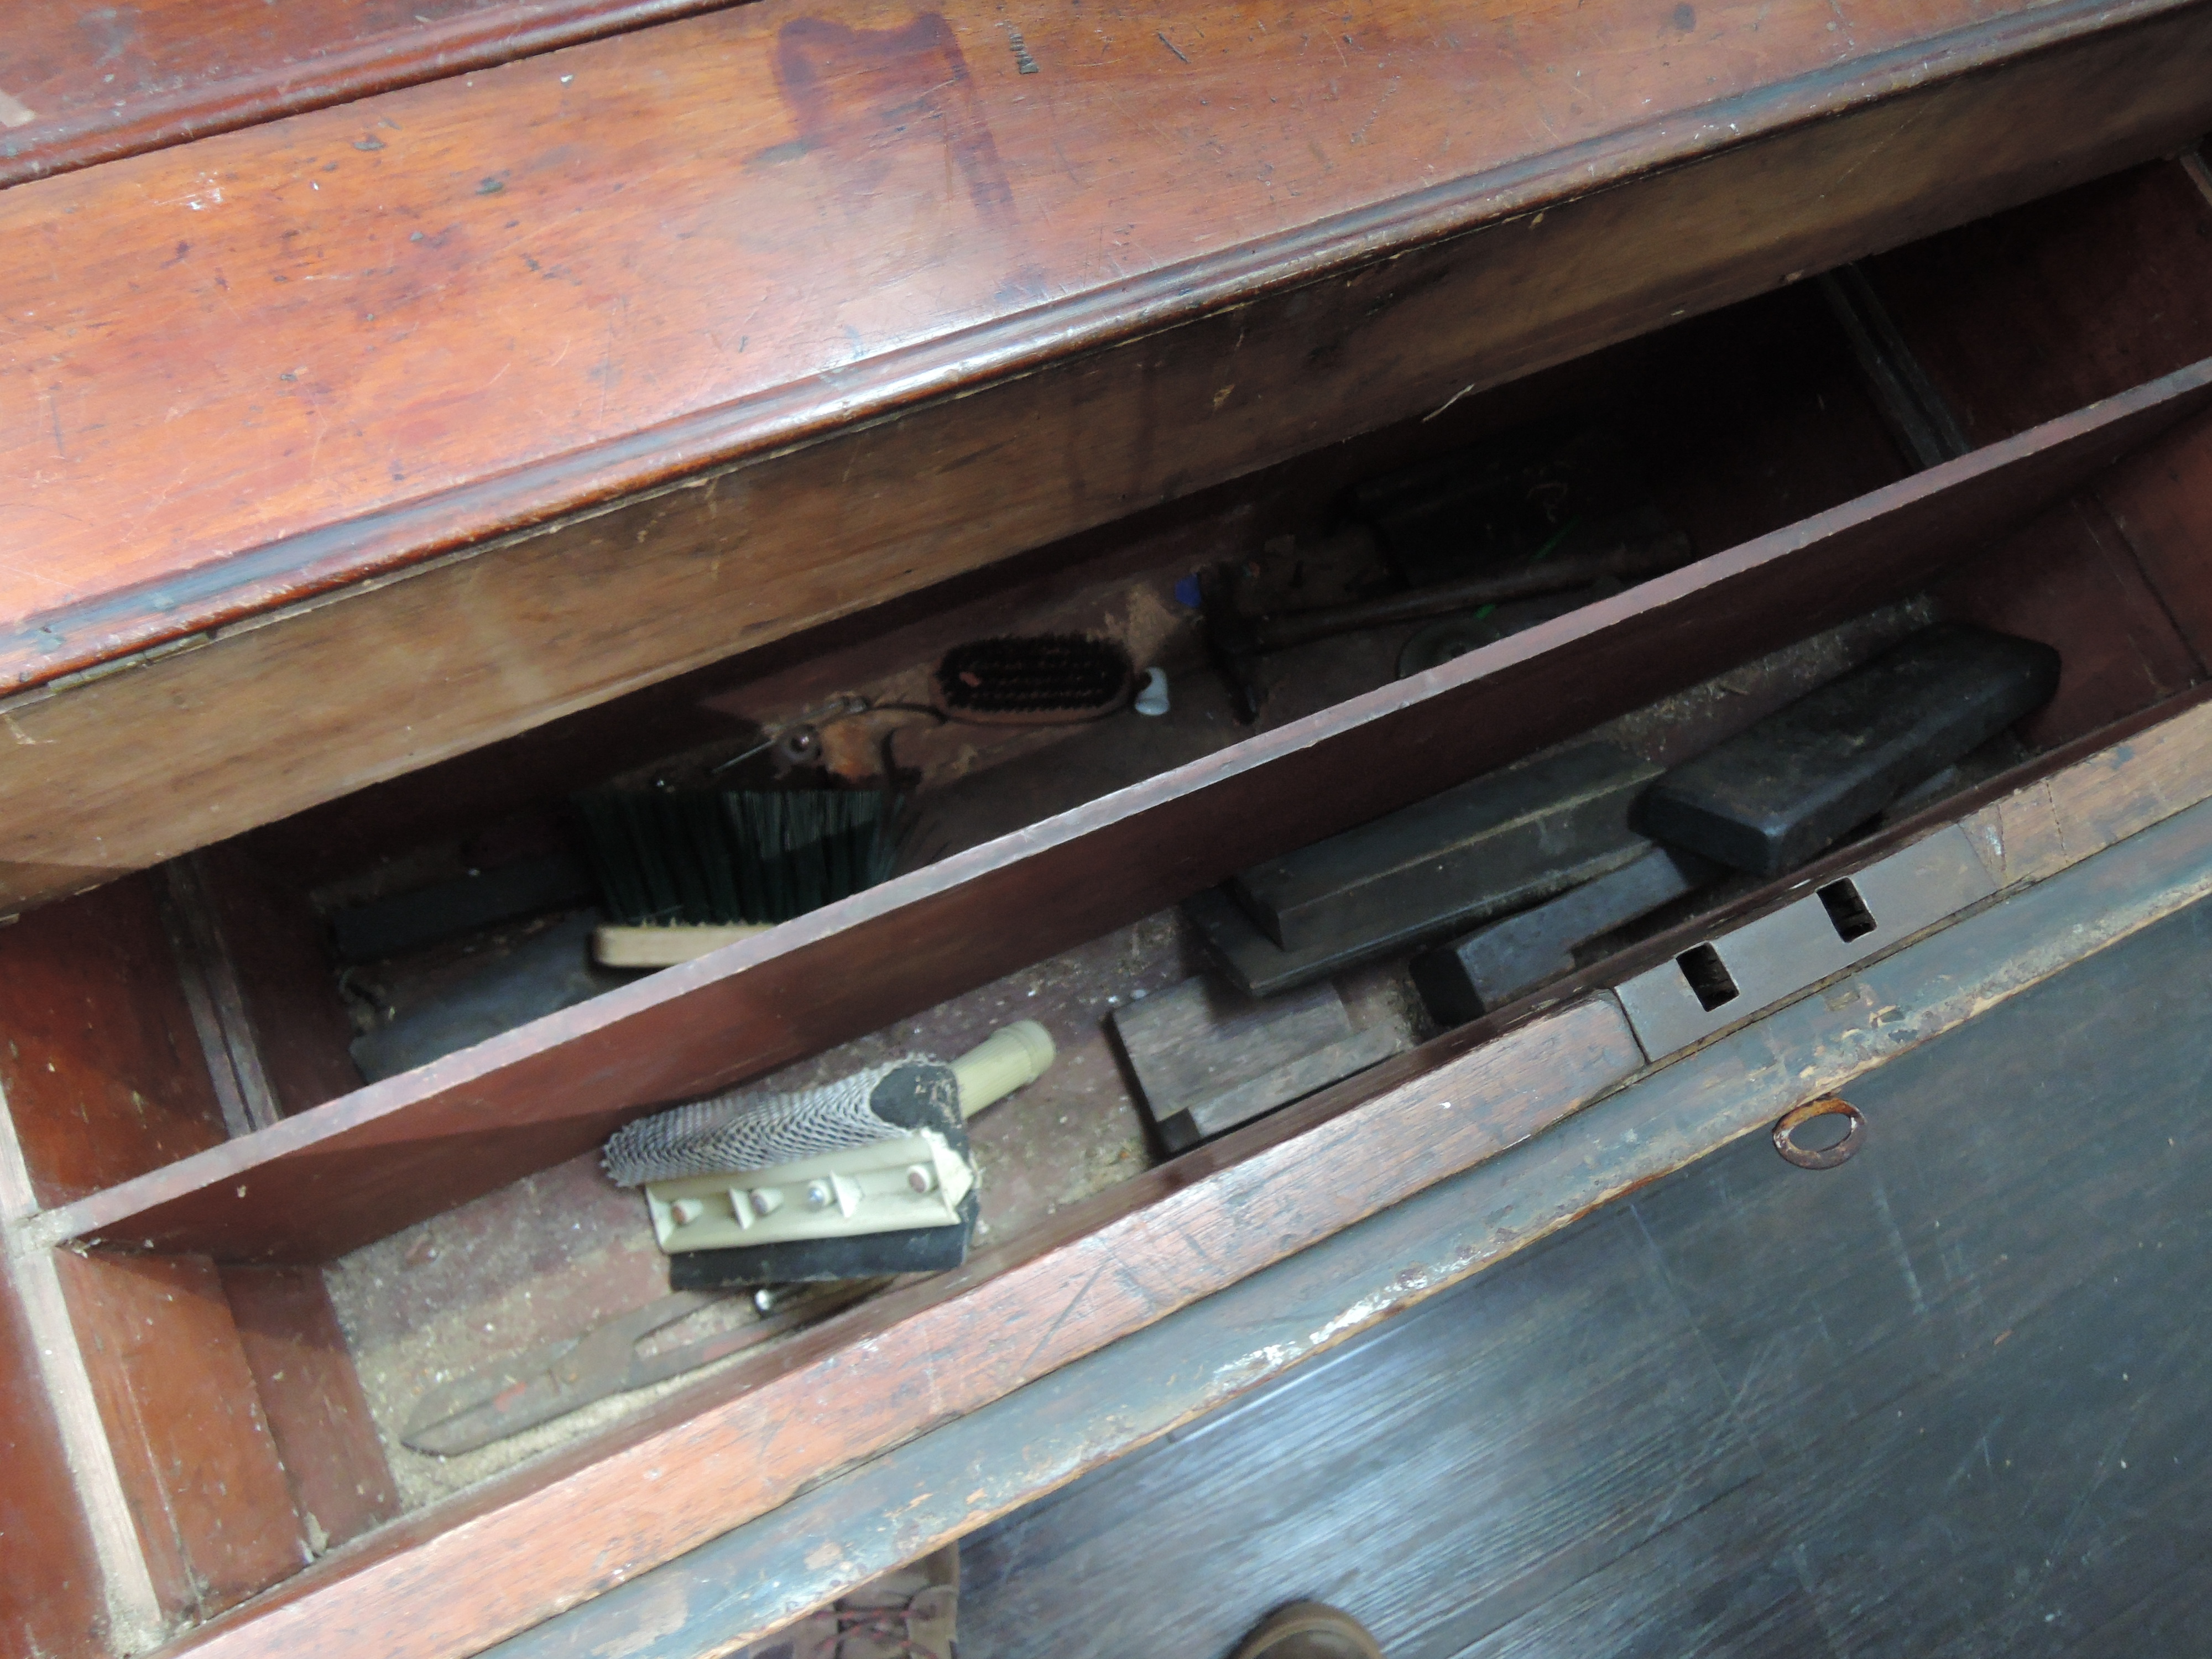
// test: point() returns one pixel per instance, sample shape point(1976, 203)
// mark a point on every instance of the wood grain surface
point(311, 395)
point(723, 1451)
point(199, 1470)
point(2025, 315)
point(52, 1598)
point(333, 1178)
point(281, 952)
point(2071, 579)
point(104, 1072)
point(81, 83)
point(310, 1393)
point(2044, 308)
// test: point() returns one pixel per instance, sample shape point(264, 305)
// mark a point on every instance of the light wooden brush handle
point(1001, 1063)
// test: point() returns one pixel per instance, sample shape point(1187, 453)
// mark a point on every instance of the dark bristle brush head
point(1038, 679)
point(709, 856)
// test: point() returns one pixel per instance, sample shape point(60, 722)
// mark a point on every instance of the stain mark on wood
point(847, 86)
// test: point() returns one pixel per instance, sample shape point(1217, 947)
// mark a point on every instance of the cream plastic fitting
point(1002, 1062)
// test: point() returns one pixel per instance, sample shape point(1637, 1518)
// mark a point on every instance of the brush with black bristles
point(682, 872)
point(1036, 679)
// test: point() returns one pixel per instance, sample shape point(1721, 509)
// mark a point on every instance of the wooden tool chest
point(382, 476)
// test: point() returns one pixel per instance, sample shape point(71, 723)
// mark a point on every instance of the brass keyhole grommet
point(1827, 1157)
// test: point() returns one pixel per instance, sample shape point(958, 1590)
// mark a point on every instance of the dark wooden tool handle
point(1645, 558)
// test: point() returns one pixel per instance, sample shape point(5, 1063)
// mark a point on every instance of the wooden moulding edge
point(455, 45)
point(477, 517)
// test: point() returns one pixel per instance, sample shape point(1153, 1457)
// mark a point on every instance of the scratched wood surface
point(566, 238)
point(564, 274)
point(337, 1177)
point(945, 1347)
point(1106, 1255)
point(1943, 1400)
point(81, 83)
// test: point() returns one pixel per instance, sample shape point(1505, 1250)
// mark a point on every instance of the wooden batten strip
point(134, 1611)
point(337, 1177)
point(99, 128)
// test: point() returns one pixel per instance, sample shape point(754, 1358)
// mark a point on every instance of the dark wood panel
point(601, 605)
point(104, 1072)
point(937, 1349)
point(318, 1416)
point(86, 83)
point(51, 1597)
point(1958, 1395)
point(279, 948)
point(2023, 315)
point(199, 1471)
point(1415, 1500)
point(336, 1177)
point(2162, 501)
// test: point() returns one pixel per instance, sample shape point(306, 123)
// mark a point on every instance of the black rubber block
point(1475, 849)
point(1507, 958)
point(1769, 798)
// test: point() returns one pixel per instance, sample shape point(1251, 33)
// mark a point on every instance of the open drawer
point(244, 1264)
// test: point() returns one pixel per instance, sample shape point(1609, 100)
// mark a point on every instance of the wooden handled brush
point(682, 872)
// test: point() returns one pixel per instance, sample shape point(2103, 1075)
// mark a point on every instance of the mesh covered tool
point(868, 1175)
point(739, 1131)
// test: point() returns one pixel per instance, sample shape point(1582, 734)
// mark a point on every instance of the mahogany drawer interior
point(455, 1212)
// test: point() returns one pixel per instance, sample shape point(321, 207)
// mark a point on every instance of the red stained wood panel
point(50, 1595)
point(318, 1417)
point(2070, 580)
point(82, 82)
point(199, 1471)
point(271, 331)
point(334, 1178)
point(2162, 501)
point(104, 1073)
